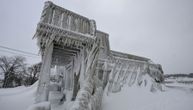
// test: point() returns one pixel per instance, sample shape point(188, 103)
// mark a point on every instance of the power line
point(16, 50)
point(18, 54)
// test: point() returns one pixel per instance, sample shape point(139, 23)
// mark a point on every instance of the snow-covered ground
point(136, 98)
point(19, 98)
point(129, 98)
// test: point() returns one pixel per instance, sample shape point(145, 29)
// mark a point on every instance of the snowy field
point(18, 98)
point(136, 98)
point(130, 98)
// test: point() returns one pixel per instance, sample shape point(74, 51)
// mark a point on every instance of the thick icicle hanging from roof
point(44, 80)
point(84, 95)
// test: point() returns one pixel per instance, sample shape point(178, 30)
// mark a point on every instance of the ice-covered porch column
point(44, 79)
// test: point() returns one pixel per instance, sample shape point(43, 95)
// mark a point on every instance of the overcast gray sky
point(161, 30)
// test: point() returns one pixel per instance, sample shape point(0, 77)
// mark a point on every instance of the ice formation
point(83, 63)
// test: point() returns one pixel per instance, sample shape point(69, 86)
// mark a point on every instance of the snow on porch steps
point(54, 99)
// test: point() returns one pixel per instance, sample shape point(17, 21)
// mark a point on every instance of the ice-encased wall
point(134, 73)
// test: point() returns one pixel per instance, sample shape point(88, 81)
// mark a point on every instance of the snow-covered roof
point(128, 56)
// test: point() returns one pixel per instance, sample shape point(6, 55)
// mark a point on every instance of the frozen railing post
point(84, 95)
point(44, 78)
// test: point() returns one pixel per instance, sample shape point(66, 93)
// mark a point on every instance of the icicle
point(44, 80)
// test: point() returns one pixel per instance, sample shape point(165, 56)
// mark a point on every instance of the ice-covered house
point(82, 59)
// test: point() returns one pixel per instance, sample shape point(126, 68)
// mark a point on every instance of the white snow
point(18, 98)
point(137, 98)
point(40, 106)
point(129, 98)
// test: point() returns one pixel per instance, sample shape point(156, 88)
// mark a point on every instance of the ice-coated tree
point(32, 74)
point(12, 68)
